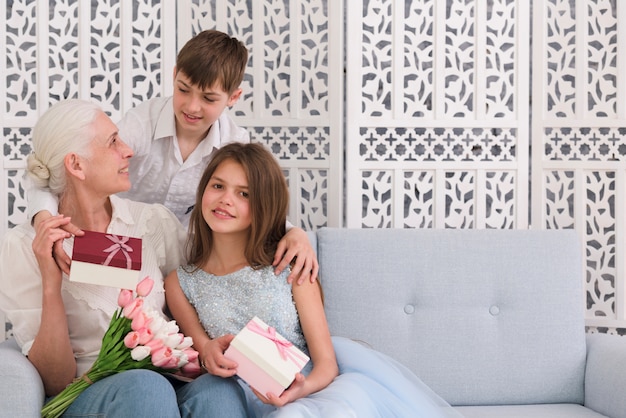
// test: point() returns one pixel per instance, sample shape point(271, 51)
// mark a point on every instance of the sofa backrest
point(484, 317)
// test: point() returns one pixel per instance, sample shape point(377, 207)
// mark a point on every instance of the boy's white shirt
point(157, 171)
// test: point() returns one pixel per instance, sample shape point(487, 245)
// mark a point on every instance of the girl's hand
point(48, 233)
point(212, 358)
point(293, 392)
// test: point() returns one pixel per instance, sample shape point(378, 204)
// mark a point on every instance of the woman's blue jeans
point(144, 393)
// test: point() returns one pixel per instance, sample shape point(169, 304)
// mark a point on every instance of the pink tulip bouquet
point(137, 338)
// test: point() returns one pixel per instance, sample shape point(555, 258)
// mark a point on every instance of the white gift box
point(106, 259)
point(266, 361)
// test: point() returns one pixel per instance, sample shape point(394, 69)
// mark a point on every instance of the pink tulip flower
point(154, 344)
point(144, 287)
point(192, 355)
point(173, 363)
point(162, 356)
point(145, 335)
point(125, 297)
point(133, 308)
point(131, 340)
point(191, 369)
point(140, 320)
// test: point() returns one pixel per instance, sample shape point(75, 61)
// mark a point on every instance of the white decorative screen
point(114, 52)
point(579, 147)
point(437, 127)
point(120, 53)
point(292, 92)
point(437, 114)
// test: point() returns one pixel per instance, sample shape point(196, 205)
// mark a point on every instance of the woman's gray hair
point(66, 127)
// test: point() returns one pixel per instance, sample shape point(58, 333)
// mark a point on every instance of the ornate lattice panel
point(113, 52)
point(437, 107)
point(120, 53)
point(579, 150)
point(309, 187)
point(437, 114)
point(292, 92)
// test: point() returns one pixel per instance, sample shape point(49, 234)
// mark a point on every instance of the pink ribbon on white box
point(119, 245)
point(281, 344)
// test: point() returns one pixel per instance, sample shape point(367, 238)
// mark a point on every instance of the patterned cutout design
point(459, 195)
point(559, 198)
point(312, 203)
point(16, 198)
point(294, 143)
point(437, 144)
point(418, 199)
point(21, 60)
point(585, 144)
point(600, 242)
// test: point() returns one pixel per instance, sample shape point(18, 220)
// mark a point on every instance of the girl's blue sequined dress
point(370, 384)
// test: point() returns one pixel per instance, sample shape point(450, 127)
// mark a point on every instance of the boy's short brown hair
point(213, 57)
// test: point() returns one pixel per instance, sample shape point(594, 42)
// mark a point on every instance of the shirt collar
point(166, 128)
point(166, 122)
point(121, 211)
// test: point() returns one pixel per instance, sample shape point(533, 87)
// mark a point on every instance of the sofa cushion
point(489, 317)
point(529, 411)
point(21, 389)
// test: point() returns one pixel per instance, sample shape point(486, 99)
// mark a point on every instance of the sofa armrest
point(21, 389)
point(605, 376)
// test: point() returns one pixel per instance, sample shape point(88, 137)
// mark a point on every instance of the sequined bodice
point(226, 303)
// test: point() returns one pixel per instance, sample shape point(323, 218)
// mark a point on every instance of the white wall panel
point(579, 147)
point(440, 128)
point(437, 114)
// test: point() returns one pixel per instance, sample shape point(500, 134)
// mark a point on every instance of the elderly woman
point(59, 324)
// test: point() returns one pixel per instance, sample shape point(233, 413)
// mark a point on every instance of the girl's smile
point(225, 204)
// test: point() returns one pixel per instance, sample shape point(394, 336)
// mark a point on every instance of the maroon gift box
point(106, 259)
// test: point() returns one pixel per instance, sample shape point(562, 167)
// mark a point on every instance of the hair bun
point(37, 168)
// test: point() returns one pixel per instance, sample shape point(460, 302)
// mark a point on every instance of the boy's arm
point(296, 245)
point(40, 199)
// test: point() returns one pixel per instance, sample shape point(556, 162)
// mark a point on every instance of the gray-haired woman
point(59, 324)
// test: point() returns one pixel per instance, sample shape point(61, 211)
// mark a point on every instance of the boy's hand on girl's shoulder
point(295, 247)
point(62, 259)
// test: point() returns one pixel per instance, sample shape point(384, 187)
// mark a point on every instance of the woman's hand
point(296, 244)
point(51, 352)
point(49, 233)
point(62, 259)
point(212, 357)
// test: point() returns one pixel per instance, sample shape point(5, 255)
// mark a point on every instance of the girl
point(238, 220)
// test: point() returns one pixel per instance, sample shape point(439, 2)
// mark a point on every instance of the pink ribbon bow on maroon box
point(108, 249)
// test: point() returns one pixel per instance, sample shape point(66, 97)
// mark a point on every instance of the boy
point(173, 139)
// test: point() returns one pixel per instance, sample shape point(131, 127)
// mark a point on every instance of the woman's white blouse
point(89, 308)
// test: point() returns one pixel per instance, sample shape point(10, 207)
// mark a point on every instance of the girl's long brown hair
point(268, 197)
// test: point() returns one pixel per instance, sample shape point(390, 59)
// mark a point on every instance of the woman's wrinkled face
point(106, 170)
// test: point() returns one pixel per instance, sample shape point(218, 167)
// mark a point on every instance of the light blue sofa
point(492, 320)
